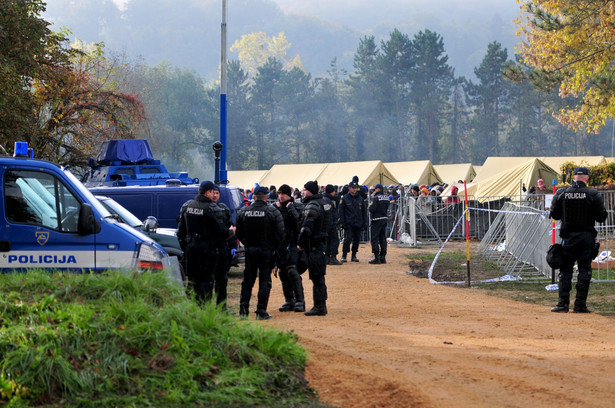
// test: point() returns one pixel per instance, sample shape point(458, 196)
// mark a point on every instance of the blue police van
point(48, 219)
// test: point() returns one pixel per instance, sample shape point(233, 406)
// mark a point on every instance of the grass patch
point(601, 297)
point(136, 340)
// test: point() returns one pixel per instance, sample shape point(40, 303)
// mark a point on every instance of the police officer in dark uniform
point(312, 242)
point(578, 207)
point(200, 229)
point(333, 239)
point(353, 216)
point(288, 255)
point(378, 211)
point(260, 228)
point(225, 254)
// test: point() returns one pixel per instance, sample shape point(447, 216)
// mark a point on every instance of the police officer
point(578, 207)
point(333, 239)
point(260, 228)
point(225, 251)
point(312, 242)
point(288, 255)
point(378, 211)
point(200, 229)
point(353, 216)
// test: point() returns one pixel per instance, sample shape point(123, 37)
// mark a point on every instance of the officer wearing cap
point(199, 231)
point(353, 216)
point(378, 211)
point(578, 207)
point(311, 242)
point(260, 228)
point(288, 255)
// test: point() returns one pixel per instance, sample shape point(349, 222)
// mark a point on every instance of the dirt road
point(394, 340)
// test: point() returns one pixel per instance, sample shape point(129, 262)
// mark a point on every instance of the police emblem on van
point(42, 237)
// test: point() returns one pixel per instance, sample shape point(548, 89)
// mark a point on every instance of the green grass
point(601, 297)
point(136, 340)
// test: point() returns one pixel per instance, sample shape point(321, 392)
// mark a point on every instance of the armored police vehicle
point(48, 219)
point(127, 171)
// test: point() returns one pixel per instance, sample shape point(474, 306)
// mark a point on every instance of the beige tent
point(369, 173)
point(556, 162)
point(245, 178)
point(507, 183)
point(414, 172)
point(295, 175)
point(451, 173)
point(494, 165)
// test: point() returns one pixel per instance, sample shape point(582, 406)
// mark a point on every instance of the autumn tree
point(62, 100)
point(571, 41)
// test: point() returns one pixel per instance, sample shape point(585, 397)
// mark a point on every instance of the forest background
point(304, 89)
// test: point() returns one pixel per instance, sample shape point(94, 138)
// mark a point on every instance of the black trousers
point(201, 262)
point(289, 276)
point(379, 237)
point(352, 235)
point(259, 263)
point(221, 274)
point(578, 248)
point(313, 259)
point(333, 242)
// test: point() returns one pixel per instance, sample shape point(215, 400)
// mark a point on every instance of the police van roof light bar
point(22, 150)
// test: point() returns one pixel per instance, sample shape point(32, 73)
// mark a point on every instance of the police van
point(49, 220)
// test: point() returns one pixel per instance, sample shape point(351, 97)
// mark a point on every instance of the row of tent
point(497, 177)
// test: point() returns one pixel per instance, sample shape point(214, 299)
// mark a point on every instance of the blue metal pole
point(223, 174)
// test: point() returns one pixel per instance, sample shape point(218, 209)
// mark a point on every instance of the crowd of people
point(287, 232)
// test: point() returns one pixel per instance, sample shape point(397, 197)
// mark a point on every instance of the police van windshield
point(98, 207)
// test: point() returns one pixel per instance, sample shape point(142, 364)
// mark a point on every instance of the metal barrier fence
point(515, 233)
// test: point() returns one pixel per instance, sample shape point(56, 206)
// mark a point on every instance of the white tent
point(414, 172)
point(369, 173)
point(245, 178)
point(451, 173)
point(507, 183)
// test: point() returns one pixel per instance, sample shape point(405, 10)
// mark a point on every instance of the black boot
point(383, 258)
point(562, 303)
point(287, 307)
point(297, 284)
point(244, 309)
point(333, 261)
point(289, 297)
point(354, 257)
point(319, 309)
point(580, 303)
point(262, 315)
point(344, 257)
point(376, 260)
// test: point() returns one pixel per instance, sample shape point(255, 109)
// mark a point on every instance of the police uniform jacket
point(202, 221)
point(352, 211)
point(579, 207)
point(316, 217)
point(378, 209)
point(334, 216)
point(260, 225)
point(292, 215)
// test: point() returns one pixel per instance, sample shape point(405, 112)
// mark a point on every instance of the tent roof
point(245, 178)
point(451, 173)
point(556, 162)
point(507, 183)
point(369, 173)
point(494, 165)
point(295, 175)
point(414, 172)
